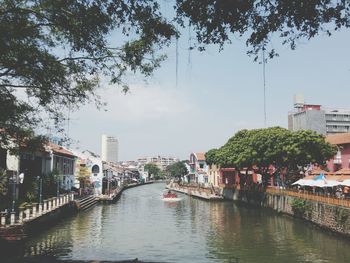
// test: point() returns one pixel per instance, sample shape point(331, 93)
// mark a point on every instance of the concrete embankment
point(335, 218)
point(332, 217)
point(205, 194)
point(116, 193)
point(17, 226)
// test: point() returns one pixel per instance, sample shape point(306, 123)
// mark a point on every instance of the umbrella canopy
point(299, 182)
point(320, 177)
point(332, 183)
point(318, 183)
point(345, 182)
point(304, 182)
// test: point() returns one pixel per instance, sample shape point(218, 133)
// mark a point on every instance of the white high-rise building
point(109, 149)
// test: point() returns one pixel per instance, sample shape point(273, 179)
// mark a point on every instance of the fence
point(35, 210)
point(311, 196)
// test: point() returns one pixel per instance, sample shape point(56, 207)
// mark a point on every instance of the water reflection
point(259, 235)
point(142, 225)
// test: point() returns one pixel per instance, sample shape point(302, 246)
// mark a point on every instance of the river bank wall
point(105, 199)
point(12, 237)
point(204, 194)
point(331, 217)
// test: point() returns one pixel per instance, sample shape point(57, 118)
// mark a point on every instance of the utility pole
point(58, 186)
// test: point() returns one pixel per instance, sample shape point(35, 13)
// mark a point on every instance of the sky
point(218, 93)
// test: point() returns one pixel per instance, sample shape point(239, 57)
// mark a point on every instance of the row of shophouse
point(199, 172)
point(71, 169)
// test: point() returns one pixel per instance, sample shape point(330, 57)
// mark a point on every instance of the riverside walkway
point(116, 192)
point(311, 196)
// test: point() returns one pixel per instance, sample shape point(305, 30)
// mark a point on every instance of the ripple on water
point(141, 225)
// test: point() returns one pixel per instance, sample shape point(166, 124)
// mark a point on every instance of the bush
point(300, 206)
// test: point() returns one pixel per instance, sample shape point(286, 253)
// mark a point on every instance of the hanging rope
point(189, 45)
point(264, 83)
point(177, 60)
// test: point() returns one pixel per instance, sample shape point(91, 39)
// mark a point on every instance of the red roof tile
point(60, 150)
point(338, 139)
point(200, 156)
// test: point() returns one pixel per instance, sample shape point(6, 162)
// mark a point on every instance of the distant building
point(198, 169)
point(89, 165)
point(161, 161)
point(316, 118)
point(110, 149)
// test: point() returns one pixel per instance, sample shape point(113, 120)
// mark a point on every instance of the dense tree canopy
point(275, 146)
point(177, 169)
point(217, 21)
point(152, 169)
point(53, 53)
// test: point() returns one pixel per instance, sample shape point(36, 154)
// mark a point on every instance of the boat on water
point(170, 196)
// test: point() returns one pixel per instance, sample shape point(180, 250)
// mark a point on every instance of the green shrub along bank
point(300, 207)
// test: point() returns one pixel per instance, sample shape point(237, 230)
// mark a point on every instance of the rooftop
point(60, 150)
point(200, 156)
point(338, 139)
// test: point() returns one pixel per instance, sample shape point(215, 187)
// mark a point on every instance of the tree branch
point(19, 86)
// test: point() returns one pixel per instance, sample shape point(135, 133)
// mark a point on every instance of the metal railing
point(311, 196)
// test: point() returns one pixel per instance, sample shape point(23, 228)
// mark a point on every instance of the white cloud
point(144, 103)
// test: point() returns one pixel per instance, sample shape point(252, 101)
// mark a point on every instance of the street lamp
point(14, 182)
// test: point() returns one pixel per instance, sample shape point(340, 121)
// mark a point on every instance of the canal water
point(141, 225)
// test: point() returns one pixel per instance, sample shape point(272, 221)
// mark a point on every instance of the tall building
point(314, 117)
point(109, 147)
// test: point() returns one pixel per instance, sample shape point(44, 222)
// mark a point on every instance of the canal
point(141, 225)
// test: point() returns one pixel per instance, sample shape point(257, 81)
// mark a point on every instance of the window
point(95, 169)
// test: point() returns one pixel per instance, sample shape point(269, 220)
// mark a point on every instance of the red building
point(342, 158)
point(229, 177)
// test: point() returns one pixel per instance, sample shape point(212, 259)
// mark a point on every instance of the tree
point(83, 176)
point(177, 170)
point(5, 198)
point(211, 156)
point(53, 54)
point(217, 21)
point(3, 182)
point(283, 149)
point(152, 169)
